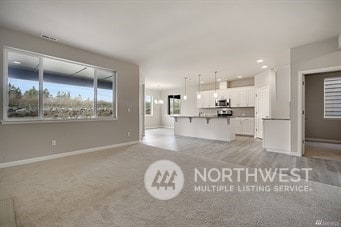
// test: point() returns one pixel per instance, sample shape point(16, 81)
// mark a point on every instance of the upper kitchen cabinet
point(206, 100)
point(250, 91)
point(223, 94)
point(242, 96)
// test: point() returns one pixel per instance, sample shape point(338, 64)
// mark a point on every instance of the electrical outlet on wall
point(128, 133)
point(54, 142)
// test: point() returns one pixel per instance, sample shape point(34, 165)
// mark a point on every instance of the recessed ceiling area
point(173, 39)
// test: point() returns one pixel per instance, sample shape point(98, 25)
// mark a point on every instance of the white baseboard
point(277, 151)
point(48, 157)
point(152, 127)
point(159, 127)
point(323, 140)
point(296, 154)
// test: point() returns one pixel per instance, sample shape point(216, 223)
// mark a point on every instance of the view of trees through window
point(68, 89)
point(149, 105)
point(23, 86)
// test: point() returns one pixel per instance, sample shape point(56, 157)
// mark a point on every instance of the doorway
point(262, 109)
point(322, 115)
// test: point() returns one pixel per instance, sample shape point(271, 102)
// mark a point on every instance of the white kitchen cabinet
point(242, 96)
point(238, 97)
point(244, 125)
point(206, 100)
point(223, 94)
point(248, 125)
point(250, 92)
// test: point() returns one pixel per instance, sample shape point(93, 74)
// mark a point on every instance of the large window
point(47, 88)
point(149, 105)
point(174, 104)
point(23, 86)
point(332, 97)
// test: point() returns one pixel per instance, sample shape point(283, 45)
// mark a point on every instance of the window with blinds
point(332, 97)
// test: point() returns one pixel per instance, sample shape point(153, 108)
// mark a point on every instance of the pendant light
point(160, 101)
point(215, 85)
point(185, 96)
point(199, 96)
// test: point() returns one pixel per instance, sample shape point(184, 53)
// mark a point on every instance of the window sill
point(16, 122)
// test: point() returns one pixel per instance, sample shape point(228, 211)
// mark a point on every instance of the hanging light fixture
point(160, 101)
point(199, 96)
point(185, 96)
point(215, 85)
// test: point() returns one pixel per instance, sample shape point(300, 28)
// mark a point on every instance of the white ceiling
point(172, 39)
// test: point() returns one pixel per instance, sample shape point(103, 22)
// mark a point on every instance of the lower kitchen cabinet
point(244, 125)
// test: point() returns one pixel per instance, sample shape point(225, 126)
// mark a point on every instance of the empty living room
point(170, 113)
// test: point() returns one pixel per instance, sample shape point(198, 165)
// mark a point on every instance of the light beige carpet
point(106, 188)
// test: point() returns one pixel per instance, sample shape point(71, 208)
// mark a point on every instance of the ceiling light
point(240, 76)
point(202, 82)
point(260, 61)
point(17, 62)
point(219, 80)
point(264, 66)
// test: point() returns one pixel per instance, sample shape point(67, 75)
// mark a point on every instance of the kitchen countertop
point(273, 119)
point(197, 116)
point(208, 116)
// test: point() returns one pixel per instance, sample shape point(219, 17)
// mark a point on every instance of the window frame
point(151, 106)
point(40, 118)
point(329, 117)
point(169, 104)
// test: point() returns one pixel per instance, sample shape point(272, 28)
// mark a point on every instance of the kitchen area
point(223, 112)
point(251, 107)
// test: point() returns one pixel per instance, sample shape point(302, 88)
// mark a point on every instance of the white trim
point(152, 127)
point(61, 155)
point(323, 140)
point(278, 151)
point(300, 130)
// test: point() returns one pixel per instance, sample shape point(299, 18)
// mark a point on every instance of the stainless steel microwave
point(222, 103)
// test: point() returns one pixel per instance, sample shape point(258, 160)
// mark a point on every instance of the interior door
point(262, 109)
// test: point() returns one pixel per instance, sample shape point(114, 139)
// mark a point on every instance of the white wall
point(188, 107)
point(279, 90)
point(154, 121)
point(317, 55)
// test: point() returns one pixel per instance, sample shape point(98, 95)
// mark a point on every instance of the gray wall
point(22, 141)
point(154, 121)
point(311, 56)
point(316, 126)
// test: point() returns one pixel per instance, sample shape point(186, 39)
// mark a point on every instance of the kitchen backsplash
point(237, 112)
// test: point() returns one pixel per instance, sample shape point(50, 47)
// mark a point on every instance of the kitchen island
point(204, 127)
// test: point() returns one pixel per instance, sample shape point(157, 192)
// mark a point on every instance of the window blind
point(332, 97)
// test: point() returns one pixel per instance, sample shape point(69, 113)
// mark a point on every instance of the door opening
point(321, 115)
